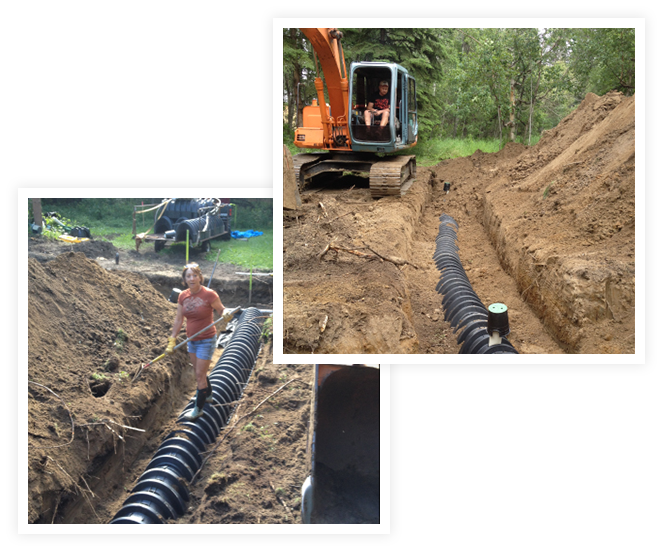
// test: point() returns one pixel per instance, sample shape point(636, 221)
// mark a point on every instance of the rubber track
point(393, 176)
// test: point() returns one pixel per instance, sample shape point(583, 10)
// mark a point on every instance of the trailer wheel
point(159, 245)
point(207, 247)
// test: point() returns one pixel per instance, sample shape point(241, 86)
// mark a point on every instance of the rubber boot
point(208, 393)
point(197, 410)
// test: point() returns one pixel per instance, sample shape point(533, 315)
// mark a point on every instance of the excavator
point(340, 127)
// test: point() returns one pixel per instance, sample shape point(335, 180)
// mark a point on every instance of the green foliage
point(602, 60)
point(267, 329)
point(507, 84)
point(111, 219)
point(55, 226)
point(432, 151)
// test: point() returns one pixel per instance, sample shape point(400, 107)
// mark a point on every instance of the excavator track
point(388, 176)
point(392, 176)
point(301, 161)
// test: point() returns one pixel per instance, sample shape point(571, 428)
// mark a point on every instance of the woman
point(197, 304)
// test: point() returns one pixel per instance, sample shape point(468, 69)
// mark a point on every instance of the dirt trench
point(92, 431)
point(548, 230)
point(570, 243)
point(88, 332)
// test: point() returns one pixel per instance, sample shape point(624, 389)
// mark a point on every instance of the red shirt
point(198, 311)
point(381, 102)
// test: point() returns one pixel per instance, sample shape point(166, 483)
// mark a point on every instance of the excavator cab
point(339, 127)
point(402, 130)
point(344, 446)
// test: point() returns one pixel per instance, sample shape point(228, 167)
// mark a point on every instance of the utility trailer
point(204, 218)
point(343, 451)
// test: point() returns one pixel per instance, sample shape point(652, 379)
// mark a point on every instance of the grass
point(431, 151)
point(255, 253)
point(547, 190)
point(111, 220)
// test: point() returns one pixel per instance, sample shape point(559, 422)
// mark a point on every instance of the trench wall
point(565, 231)
point(368, 310)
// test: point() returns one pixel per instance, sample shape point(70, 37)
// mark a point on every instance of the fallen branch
point(332, 247)
point(339, 216)
point(375, 255)
point(395, 260)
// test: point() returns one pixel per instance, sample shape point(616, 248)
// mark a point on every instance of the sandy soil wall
point(563, 223)
point(345, 306)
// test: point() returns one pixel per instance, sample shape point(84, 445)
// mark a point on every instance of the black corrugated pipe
point(211, 225)
point(189, 208)
point(462, 307)
point(192, 226)
point(164, 224)
point(162, 492)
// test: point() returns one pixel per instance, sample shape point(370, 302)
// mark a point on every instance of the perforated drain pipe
point(162, 492)
point(481, 327)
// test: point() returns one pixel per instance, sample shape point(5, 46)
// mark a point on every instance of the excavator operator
point(379, 107)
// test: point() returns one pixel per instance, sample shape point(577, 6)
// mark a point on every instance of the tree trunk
point(512, 113)
point(36, 211)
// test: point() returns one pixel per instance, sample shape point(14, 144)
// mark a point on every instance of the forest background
point(477, 88)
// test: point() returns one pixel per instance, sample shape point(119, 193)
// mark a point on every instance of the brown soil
point(90, 330)
point(163, 271)
point(548, 230)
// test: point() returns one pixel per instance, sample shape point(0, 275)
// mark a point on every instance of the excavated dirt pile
point(547, 230)
point(563, 222)
point(336, 301)
point(89, 331)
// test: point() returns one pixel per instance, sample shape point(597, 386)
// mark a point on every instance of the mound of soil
point(366, 305)
point(547, 230)
point(563, 223)
point(46, 250)
point(89, 331)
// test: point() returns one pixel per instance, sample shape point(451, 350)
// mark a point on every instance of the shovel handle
point(227, 316)
point(146, 365)
point(155, 360)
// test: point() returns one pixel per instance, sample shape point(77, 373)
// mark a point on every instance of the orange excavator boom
point(327, 46)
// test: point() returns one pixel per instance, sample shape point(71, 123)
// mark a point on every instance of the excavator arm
point(326, 44)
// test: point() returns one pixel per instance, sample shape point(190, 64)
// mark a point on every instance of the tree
point(507, 83)
point(603, 60)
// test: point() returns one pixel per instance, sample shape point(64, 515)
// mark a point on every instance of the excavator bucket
point(344, 446)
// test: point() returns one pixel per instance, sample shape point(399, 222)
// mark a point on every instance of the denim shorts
point(203, 349)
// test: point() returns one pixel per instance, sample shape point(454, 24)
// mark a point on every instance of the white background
point(535, 466)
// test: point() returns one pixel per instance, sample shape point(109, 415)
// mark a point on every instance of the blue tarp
point(246, 234)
